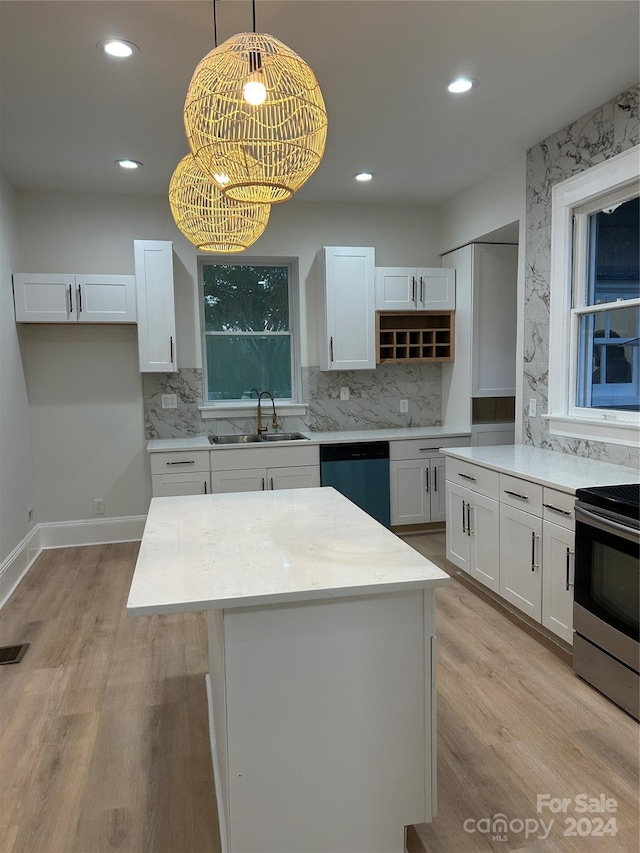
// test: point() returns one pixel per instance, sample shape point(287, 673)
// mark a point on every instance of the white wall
point(17, 490)
point(84, 387)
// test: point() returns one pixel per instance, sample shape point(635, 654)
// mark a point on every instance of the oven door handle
point(606, 524)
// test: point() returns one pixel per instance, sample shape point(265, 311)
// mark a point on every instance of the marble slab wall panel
point(597, 136)
point(374, 401)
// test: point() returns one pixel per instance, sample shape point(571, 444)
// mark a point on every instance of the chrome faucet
point(274, 419)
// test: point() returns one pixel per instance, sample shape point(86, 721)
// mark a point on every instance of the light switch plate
point(404, 406)
point(532, 407)
point(169, 401)
point(344, 393)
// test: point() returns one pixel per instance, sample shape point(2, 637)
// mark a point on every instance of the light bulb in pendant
point(254, 90)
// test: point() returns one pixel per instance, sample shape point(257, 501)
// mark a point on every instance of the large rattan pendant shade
point(207, 218)
point(257, 153)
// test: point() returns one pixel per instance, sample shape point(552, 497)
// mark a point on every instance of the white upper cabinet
point(415, 288)
point(347, 333)
point(67, 298)
point(156, 307)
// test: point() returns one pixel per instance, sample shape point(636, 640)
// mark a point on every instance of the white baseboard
point(64, 534)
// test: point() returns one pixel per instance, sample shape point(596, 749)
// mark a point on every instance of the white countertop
point(201, 442)
point(202, 552)
point(548, 467)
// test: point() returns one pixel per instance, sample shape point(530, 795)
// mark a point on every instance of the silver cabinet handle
point(421, 289)
point(557, 509)
point(534, 565)
point(464, 525)
point(469, 530)
point(185, 462)
point(70, 300)
point(79, 299)
point(569, 553)
point(516, 495)
point(467, 476)
point(426, 478)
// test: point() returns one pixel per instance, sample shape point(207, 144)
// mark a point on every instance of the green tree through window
point(247, 330)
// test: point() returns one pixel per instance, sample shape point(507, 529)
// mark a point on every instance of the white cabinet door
point(247, 480)
point(396, 289)
point(106, 298)
point(297, 477)
point(410, 499)
point(437, 490)
point(458, 542)
point(42, 298)
point(521, 560)
point(436, 288)
point(348, 316)
point(186, 483)
point(483, 523)
point(558, 567)
point(156, 308)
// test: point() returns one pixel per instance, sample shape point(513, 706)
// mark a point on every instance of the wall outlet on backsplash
point(169, 401)
point(344, 393)
point(404, 406)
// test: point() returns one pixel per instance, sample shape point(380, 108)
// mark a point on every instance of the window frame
point(574, 199)
point(240, 407)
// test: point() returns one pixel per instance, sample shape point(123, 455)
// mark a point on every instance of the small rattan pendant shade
point(260, 153)
point(209, 220)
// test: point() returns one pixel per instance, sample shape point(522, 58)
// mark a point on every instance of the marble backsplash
point(595, 137)
point(374, 401)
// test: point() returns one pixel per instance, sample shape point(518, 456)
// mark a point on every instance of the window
point(594, 357)
point(249, 338)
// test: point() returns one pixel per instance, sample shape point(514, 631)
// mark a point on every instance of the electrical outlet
point(344, 393)
point(404, 406)
point(532, 407)
point(169, 401)
point(98, 506)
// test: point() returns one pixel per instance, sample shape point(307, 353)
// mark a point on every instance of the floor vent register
point(12, 654)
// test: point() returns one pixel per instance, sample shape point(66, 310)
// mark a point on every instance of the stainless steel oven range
point(606, 609)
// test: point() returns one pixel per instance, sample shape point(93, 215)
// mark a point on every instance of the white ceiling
point(67, 112)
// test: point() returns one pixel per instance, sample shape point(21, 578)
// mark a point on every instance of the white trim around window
point(569, 197)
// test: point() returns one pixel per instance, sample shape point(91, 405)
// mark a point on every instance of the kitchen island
point(321, 679)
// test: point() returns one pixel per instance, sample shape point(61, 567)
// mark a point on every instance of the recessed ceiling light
point(364, 176)
point(462, 84)
point(129, 164)
point(118, 48)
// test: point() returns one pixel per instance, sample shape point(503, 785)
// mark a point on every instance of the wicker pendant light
point(207, 218)
point(255, 119)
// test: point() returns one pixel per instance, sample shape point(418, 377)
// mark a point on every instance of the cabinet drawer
point(179, 461)
point(474, 477)
point(229, 459)
point(419, 448)
point(521, 494)
point(558, 507)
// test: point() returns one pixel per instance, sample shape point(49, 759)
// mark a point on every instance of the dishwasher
point(359, 471)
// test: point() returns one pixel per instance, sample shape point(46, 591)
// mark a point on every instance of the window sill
point(248, 409)
point(611, 431)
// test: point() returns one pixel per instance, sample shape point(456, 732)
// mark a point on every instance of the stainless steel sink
point(254, 438)
point(284, 436)
point(247, 438)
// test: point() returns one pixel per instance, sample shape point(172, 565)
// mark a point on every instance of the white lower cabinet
point(517, 538)
point(521, 560)
point(180, 473)
point(473, 534)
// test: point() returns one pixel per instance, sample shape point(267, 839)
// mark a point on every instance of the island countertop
point(204, 552)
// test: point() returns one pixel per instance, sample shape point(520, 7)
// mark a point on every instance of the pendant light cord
point(253, 6)
point(215, 26)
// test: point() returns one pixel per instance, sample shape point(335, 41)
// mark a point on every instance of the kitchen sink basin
point(247, 438)
point(284, 436)
point(254, 438)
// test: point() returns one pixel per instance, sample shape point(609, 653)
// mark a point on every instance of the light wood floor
point(104, 740)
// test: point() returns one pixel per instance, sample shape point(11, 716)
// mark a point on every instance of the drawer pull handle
point(467, 476)
point(534, 565)
point(569, 553)
point(424, 449)
point(557, 509)
point(185, 462)
point(516, 495)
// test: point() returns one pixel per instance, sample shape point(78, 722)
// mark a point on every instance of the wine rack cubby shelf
point(414, 336)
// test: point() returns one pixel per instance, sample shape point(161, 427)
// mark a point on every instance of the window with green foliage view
point(248, 342)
